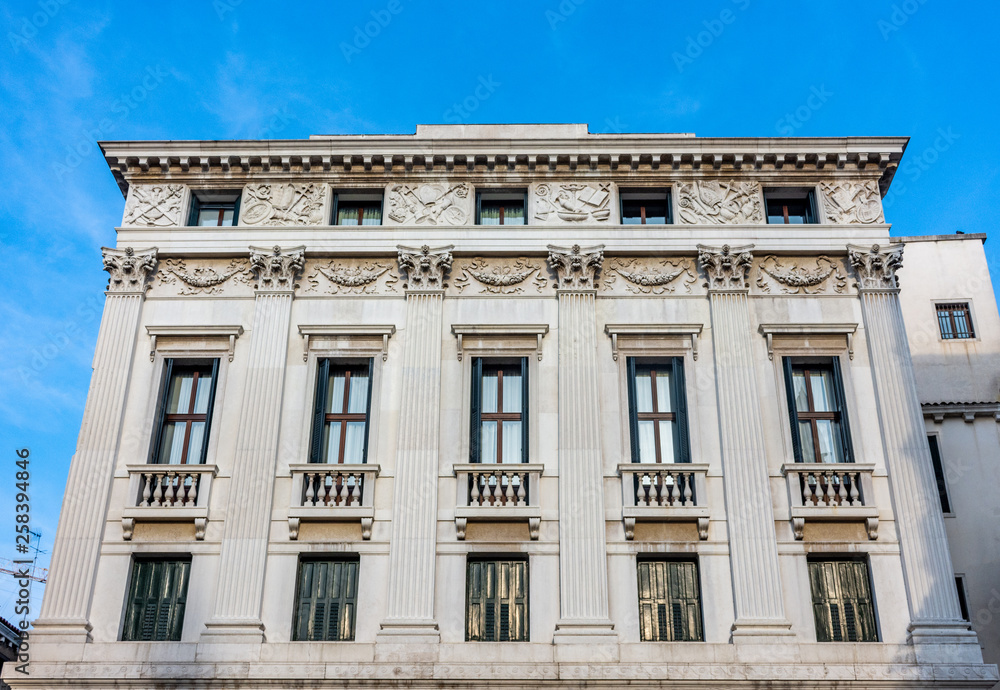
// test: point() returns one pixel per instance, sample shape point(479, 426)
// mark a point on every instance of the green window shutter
point(845, 431)
point(208, 413)
point(842, 601)
point(496, 601)
point(368, 408)
point(633, 419)
point(679, 393)
point(161, 412)
point(524, 409)
point(793, 417)
point(156, 602)
point(475, 431)
point(669, 601)
point(327, 601)
point(319, 410)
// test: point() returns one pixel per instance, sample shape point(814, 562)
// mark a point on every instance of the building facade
point(508, 404)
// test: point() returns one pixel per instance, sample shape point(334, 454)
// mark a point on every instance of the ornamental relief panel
point(352, 277)
point(429, 204)
point(801, 275)
point(500, 276)
point(154, 205)
point(852, 202)
point(271, 204)
point(567, 203)
point(204, 277)
point(713, 201)
point(649, 276)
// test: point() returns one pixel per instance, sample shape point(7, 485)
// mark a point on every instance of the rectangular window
point(842, 601)
point(817, 410)
point(357, 208)
point(154, 610)
point(939, 474)
point(963, 597)
point(669, 601)
point(658, 410)
point(496, 601)
point(340, 423)
point(955, 321)
point(501, 207)
point(212, 208)
point(645, 206)
point(327, 596)
point(499, 410)
point(788, 205)
point(186, 412)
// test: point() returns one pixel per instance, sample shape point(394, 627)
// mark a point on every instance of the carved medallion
point(425, 268)
point(794, 278)
point(353, 278)
point(502, 277)
point(852, 202)
point(725, 266)
point(430, 204)
point(576, 267)
point(270, 204)
point(711, 201)
point(204, 279)
point(876, 267)
point(156, 205)
point(572, 203)
point(129, 270)
point(645, 277)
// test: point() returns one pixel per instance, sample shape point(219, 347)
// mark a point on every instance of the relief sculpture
point(710, 201)
point(504, 278)
point(794, 279)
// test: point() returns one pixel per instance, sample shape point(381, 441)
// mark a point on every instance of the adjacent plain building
point(523, 404)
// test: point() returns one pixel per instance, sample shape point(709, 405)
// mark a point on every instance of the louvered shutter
point(669, 601)
point(842, 602)
point(208, 412)
point(319, 411)
point(475, 431)
point(496, 601)
point(156, 602)
point(679, 393)
point(327, 601)
point(524, 408)
point(793, 417)
point(845, 429)
point(161, 412)
point(633, 409)
point(368, 407)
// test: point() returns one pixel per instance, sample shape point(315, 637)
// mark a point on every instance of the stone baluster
point(753, 548)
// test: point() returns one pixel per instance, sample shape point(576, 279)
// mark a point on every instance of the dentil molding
point(130, 270)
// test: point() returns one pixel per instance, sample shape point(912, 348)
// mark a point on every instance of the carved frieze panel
point(154, 205)
point(500, 276)
point(713, 201)
point(204, 277)
point(352, 277)
point(649, 276)
point(571, 202)
point(852, 202)
point(269, 204)
point(444, 203)
point(801, 275)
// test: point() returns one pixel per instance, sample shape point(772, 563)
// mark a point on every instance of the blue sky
point(74, 72)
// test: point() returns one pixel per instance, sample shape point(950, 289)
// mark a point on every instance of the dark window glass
point(789, 206)
point(499, 411)
point(645, 207)
point(669, 601)
point(340, 426)
point(963, 600)
point(501, 208)
point(657, 411)
point(357, 209)
point(955, 321)
point(214, 208)
point(842, 601)
point(154, 610)
point(326, 600)
point(186, 411)
point(496, 601)
point(817, 410)
point(939, 474)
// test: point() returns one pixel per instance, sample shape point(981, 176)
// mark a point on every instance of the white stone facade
point(574, 294)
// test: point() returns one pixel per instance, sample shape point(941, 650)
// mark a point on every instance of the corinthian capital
point(130, 270)
point(876, 267)
point(276, 270)
point(576, 267)
point(425, 267)
point(726, 266)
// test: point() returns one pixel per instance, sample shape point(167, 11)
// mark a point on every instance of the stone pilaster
point(583, 571)
point(935, 616)
point(240, 588)
point(753, 548)
point(413, 543)
point(66, 608)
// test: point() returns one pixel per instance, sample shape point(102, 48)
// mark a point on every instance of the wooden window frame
point(132, 615)
point(791, 363)
point(498, 622)
point(840, 625)
point(668, 202)
point(663, 626)
point(678, 393)
point(949, 309)
point(344, 598)
point(779, 194)
point(510, 192)
point(361, 204)
point(478, 416)
point(321, 417)
point(197, 206)
point(163, 417)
